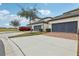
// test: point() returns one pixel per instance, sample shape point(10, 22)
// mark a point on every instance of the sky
point(8, 11)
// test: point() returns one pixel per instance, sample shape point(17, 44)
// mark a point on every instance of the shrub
point(48, 30)
point(41, 30)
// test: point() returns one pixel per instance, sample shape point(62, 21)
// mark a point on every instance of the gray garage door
point(65, 27)
point(36, 28)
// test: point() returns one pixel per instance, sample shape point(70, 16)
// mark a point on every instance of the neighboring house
point(67, 22)
point(40, 23)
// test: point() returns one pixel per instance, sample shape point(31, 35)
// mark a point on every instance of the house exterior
point(67, 22)
point(40, 23)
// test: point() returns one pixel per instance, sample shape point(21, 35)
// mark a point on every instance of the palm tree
point(30, 14)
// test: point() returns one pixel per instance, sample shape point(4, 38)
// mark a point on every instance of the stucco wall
point(35, 20)
point(64, 20)
point(49, 25)
point(45, 26)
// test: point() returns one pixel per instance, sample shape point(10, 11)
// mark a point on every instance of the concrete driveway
point(10, 48)
point(38, 45)
point(41, 45)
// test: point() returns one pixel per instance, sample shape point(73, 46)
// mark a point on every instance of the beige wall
point(35, 20)
point(64, 20)
point(45, 26)
point(47, 19)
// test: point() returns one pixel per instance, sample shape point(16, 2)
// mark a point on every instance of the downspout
point(30, 23)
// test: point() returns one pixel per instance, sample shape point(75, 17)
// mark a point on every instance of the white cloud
point(6, 25)
point(45, 12)
point(6, 15)
point(4, 12)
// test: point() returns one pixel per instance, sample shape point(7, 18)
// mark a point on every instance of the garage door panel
point(71, 27)
point(58, 27)
point(65, 27)
point(37, 27)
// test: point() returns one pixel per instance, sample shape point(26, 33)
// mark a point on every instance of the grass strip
point(28, 34)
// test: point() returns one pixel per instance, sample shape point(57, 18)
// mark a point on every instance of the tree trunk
point(30, 25)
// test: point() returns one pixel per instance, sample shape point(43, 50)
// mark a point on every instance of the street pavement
point(10, 48)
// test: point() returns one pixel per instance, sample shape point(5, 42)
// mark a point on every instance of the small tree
point(15, 23)
point(29, 14)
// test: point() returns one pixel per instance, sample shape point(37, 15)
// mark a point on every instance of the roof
point(72, 13)
point(42, 20)
point(46, 18)
point(39, 22)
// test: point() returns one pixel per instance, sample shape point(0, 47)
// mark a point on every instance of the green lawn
point(7, 29)
point(28, 34)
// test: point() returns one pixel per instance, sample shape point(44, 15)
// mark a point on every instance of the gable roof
point(42, 20)
point(46, 18)
point(72, 13)
point(38, 22)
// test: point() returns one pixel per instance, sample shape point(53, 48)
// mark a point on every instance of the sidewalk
point(10, 48)
point(2, 49)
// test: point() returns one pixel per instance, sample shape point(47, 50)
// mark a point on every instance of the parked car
point(24, 28)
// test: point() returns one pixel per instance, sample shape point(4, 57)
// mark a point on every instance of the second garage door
point(65, 27)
